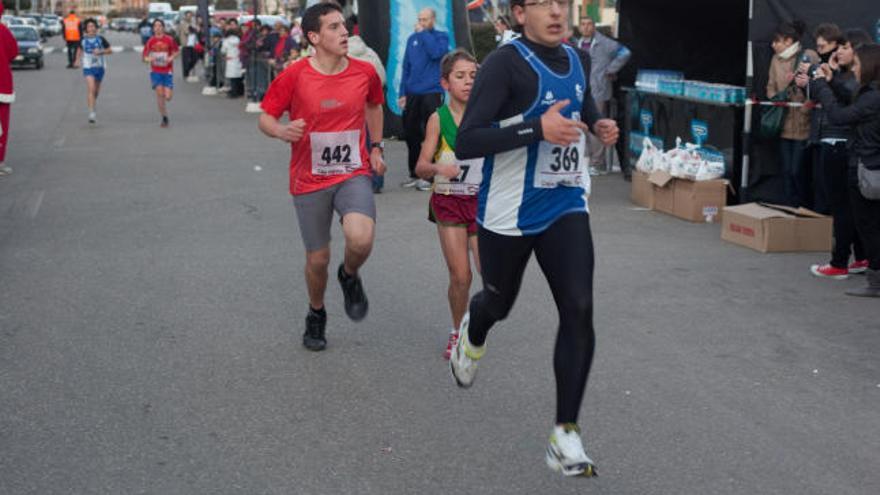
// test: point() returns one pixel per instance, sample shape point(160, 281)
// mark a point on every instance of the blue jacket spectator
point(420, 91)
point(421, 62)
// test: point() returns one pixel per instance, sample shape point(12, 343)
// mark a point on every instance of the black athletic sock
point(320, 313)
point(480, 321)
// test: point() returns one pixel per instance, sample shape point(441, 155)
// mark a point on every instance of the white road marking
point(48, 50)
point(37, 204)
point(117, 49)
point(60, 141)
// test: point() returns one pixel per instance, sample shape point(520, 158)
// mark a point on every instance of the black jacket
point(844, 86)
point(864, 117)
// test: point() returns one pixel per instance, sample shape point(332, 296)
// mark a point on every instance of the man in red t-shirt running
point(160, 52)
point(331, 100)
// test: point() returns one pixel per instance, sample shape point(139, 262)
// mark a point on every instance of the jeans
point(791, 157)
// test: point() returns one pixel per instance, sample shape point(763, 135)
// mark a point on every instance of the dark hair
point(514, 3)
point(160, 21)
point(790, 29)
point(869, 59)
point(503, 20)
point(829, 32)
point(230, 21)
point(311, 19)
point(451, 58)
point(90, 20)
point(857, 38)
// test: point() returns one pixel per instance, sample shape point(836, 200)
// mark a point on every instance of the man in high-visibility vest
point(72, 35)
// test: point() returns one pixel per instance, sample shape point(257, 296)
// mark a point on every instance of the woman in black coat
point(864, 116)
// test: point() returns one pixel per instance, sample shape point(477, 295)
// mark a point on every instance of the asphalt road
point(152, 303)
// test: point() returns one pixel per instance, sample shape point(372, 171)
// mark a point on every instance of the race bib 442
point(335, 153)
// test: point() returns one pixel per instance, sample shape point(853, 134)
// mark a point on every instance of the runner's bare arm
point(290, 132)
point(425, 164)
point(375, 123)
point(78, 59)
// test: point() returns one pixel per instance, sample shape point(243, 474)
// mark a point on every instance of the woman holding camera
point(784, 67)
point(864, 151)
point(833, 158)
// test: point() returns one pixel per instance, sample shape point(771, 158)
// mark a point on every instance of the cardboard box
point(642, 192)
point(685, 199)
point(700, 201)
point(772, 228)
point(664, 191)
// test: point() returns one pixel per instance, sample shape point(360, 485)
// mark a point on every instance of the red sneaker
point(858, 266)
point(453, 339)
point(828, 271)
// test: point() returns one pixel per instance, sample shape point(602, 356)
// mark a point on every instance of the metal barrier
point(260, 72)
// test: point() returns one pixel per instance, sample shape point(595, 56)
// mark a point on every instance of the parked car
point(30, 51)
point(131, 24)
point(53, 27)
point(170, 19)
point(266, 20)
point(37, 23)
point(30, 21)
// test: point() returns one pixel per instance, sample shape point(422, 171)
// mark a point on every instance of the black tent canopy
point(727, 41)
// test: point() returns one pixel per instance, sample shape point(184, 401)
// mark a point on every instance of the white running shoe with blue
point(465, 356)
point(566, 453)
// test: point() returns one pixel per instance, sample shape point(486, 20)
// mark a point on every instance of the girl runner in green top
point(453, 204)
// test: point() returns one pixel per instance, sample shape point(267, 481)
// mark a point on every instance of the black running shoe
point(356, 305)
point(313, 339)
point(164, 122)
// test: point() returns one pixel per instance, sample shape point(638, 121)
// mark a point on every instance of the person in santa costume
point(8, 52)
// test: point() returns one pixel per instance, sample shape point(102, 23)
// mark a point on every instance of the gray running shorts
point(315, 210)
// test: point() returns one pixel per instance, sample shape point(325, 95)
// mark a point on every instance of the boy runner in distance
point(160, 52)
point(90, 55)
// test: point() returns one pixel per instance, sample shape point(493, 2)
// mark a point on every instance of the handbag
point(773, 118)
point(869, 182)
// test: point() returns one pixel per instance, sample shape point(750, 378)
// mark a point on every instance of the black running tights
point(565, 255)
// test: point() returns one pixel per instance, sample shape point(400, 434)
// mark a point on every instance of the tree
point(9, 5)
point(226, 5)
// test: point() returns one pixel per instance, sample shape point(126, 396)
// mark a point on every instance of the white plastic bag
point(648, 159)
point(710, 170)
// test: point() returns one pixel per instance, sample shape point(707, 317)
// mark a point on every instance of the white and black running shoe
point(566, 453)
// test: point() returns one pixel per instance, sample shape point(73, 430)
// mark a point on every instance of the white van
point(159, 8)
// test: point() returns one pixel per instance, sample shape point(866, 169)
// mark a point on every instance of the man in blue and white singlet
point(530, 112)
point(92, 50)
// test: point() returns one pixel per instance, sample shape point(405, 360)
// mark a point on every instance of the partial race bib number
point(466, 183)
point(335, 153)
point(160, 59)
point(562, 165)
point(91, 61)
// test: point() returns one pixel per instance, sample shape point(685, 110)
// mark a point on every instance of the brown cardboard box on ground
point(664, 191)
point(772, 228)
point(700, 201)
point(642, 192)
